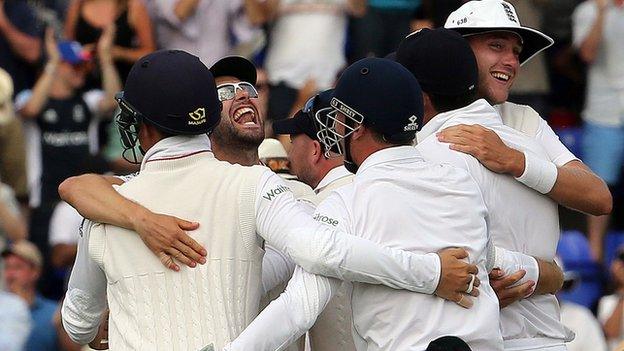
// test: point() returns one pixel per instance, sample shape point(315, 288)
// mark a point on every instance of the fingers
point(458, 253)
point(187, 225)
point(168, 262)
point(472, 269)
point(507, 281)
point(186, 246)
point(510, 295)
point(464, 301)
point(176, 254)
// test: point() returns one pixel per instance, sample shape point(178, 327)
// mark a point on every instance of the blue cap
point(72, 52)
point(441, 60)
point(174, 91)
point(385, 94)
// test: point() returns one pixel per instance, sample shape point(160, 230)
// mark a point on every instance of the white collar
point(333, 175)
point(177, 146)
point(394, 153)
point(479, 112)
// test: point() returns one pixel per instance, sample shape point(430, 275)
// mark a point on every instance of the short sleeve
point(582, 20)
point(557, 152)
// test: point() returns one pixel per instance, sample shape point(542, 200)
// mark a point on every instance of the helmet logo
point(412, 125)
point(197, 117)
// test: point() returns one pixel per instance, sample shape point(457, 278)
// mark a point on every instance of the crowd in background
point(62, 61)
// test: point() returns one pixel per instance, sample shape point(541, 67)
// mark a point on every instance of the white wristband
point(539, 174)
point(511, 261)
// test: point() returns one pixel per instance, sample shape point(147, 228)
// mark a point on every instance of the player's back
point(520, 219)
point(155, 308)
point(400, 200)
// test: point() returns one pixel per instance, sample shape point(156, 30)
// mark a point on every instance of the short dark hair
point(444, 103)
point(388, 140)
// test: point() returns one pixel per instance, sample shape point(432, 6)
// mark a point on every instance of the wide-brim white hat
point(486, 16)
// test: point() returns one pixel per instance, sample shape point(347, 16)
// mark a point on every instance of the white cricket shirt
point(400, 200)
point(521, 220)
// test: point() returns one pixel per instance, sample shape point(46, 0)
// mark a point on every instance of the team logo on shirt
point(274, 192)
point(197, 117)
point(325, 219)
point(412, 125)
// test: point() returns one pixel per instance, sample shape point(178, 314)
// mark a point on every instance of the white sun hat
point(486, 16)
point(271, 148)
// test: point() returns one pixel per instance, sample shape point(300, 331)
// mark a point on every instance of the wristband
point(511, 261)
point(539, 174)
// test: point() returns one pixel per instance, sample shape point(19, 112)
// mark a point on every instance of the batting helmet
point(171, 90)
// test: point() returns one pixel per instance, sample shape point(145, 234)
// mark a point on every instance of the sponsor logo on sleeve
point(274, 192)
point(325, 219)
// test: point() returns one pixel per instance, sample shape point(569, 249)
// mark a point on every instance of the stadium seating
point(574, 250)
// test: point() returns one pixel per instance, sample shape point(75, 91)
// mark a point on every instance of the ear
point(316, 152)
point(359, 132)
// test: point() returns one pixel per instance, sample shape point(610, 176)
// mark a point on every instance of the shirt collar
point(394, 153)
point(176, 146)
point(479, 112)
point(333, 175)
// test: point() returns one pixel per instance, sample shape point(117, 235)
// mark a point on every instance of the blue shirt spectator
point(43, 335)
point(14, 322)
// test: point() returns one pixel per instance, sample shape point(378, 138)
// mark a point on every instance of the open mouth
point(246, 116)
point(500, 76)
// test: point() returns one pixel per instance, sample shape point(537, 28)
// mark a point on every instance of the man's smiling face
point(497, 56)
point(240, 116)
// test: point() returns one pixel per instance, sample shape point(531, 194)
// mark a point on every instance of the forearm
point(254, 10)
point(111, 84)
point(40, 92)
point(295, 311)
point(183, 9)
point(129, 54)
point(588, 49)
point(25, 46)
point(63, 255)
point(550, 278)
point(94, 198)
point(277, 268)
point(580, 189)
point(12, 224)
point(511, 261)
point(613, 325)
point(321, 250)
point(357, 8)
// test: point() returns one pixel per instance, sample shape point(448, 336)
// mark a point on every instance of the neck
point(367, 150)
point(242, 156)
point(429, 113)
point(325, 167)
point(60, 90)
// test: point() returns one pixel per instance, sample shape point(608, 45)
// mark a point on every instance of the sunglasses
point(228, 91)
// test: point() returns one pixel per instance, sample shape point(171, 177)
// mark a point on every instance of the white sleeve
point(557, 152)
point(64, 225)
point(290, 315)
point(511, 261)
point(606, 306)
point(93, 98)
point(319, 249)
point(21, 99)
point(85, 300)
point(582, 20)
point(277, 268)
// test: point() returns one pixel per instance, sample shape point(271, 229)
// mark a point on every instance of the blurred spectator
point(203, 28)
point(597, 34)
point(532, 86)
point(22, 270)
point(87, 19)
point(64, 232)
point(383, 27)
point(62, 129)
point(20, 46)
point(579, 319)
point(272, 153)
point(433, 13)
point(12, 223)
point(306, 47)
point(611, 307)
point(14, 322)
point(12, 153)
